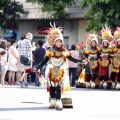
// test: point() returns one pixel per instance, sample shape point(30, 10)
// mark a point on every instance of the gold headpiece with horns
point(106, 35)
point(117, 34)
point(90, 38)
point(54, 32)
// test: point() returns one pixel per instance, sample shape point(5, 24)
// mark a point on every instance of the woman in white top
point(13, 60)
point(3, 61)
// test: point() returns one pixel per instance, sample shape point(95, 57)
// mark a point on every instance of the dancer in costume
point(92, 54)
point(82, 79)
point(57, 75)
point(53, 34)
point(104, 62)
point(115, 74)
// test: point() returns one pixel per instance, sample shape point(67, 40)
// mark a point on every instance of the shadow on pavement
point(18, 87)
point(90, 89)
point(24, 108)
point(72, 88)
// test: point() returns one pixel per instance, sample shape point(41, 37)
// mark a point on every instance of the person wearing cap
point(104, 62)
point(92, 54)
point(57, 71)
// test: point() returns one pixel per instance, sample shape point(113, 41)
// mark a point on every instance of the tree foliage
point(55, 7)
point(102, 12)
point(10, 11)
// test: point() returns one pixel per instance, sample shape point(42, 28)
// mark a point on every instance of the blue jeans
point(42, 70)
point(72, 75)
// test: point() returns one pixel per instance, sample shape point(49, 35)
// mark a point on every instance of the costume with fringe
point(92, 68)
point(105, 52)
point(57, 74)
point(115, 74)
point(92, 54)
point(81, 82)
point(104, 62)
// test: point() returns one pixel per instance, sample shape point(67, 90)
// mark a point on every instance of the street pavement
point(32, 103)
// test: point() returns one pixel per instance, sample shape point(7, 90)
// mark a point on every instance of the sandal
point(13, 82)
point(10, 82)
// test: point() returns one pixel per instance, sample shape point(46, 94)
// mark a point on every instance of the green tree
point(101, 13)
point(9, 13)
point(55, 7)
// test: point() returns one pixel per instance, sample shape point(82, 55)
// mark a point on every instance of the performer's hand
point(101, 55)
point(112, 55)
point(37, 70)
point(85, 62)
point(89, 58)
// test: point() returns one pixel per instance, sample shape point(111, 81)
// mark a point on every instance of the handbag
point(25, 60)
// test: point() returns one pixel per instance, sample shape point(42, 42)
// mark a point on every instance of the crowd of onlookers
point(12, 72)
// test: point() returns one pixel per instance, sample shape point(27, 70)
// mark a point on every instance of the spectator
point(26, 50)
point(39, 54)
point(67, 47)
point(20, 41)
point(20, 70)
point(3, 61)
point(13, 59)
point(73, 66)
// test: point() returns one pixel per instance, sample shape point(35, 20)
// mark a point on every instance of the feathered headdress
point(106, 35)
point(117, 34)
point(53, 33)
point(90, 38)
point(81, 45)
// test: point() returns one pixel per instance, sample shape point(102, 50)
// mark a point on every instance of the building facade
point(37, 22)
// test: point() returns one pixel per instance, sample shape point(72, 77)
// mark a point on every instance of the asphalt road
point(32, 104)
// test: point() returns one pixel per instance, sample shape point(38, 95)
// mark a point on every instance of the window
point(28, 0)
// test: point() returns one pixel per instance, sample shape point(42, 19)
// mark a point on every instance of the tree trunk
point(112, 29)
point(1, 33)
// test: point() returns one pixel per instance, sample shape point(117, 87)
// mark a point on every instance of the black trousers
point(91, 77)
point(104, 77)
point(113, 76)
point(55, 92)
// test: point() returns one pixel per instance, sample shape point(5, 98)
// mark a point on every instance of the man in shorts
point(26, 50)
